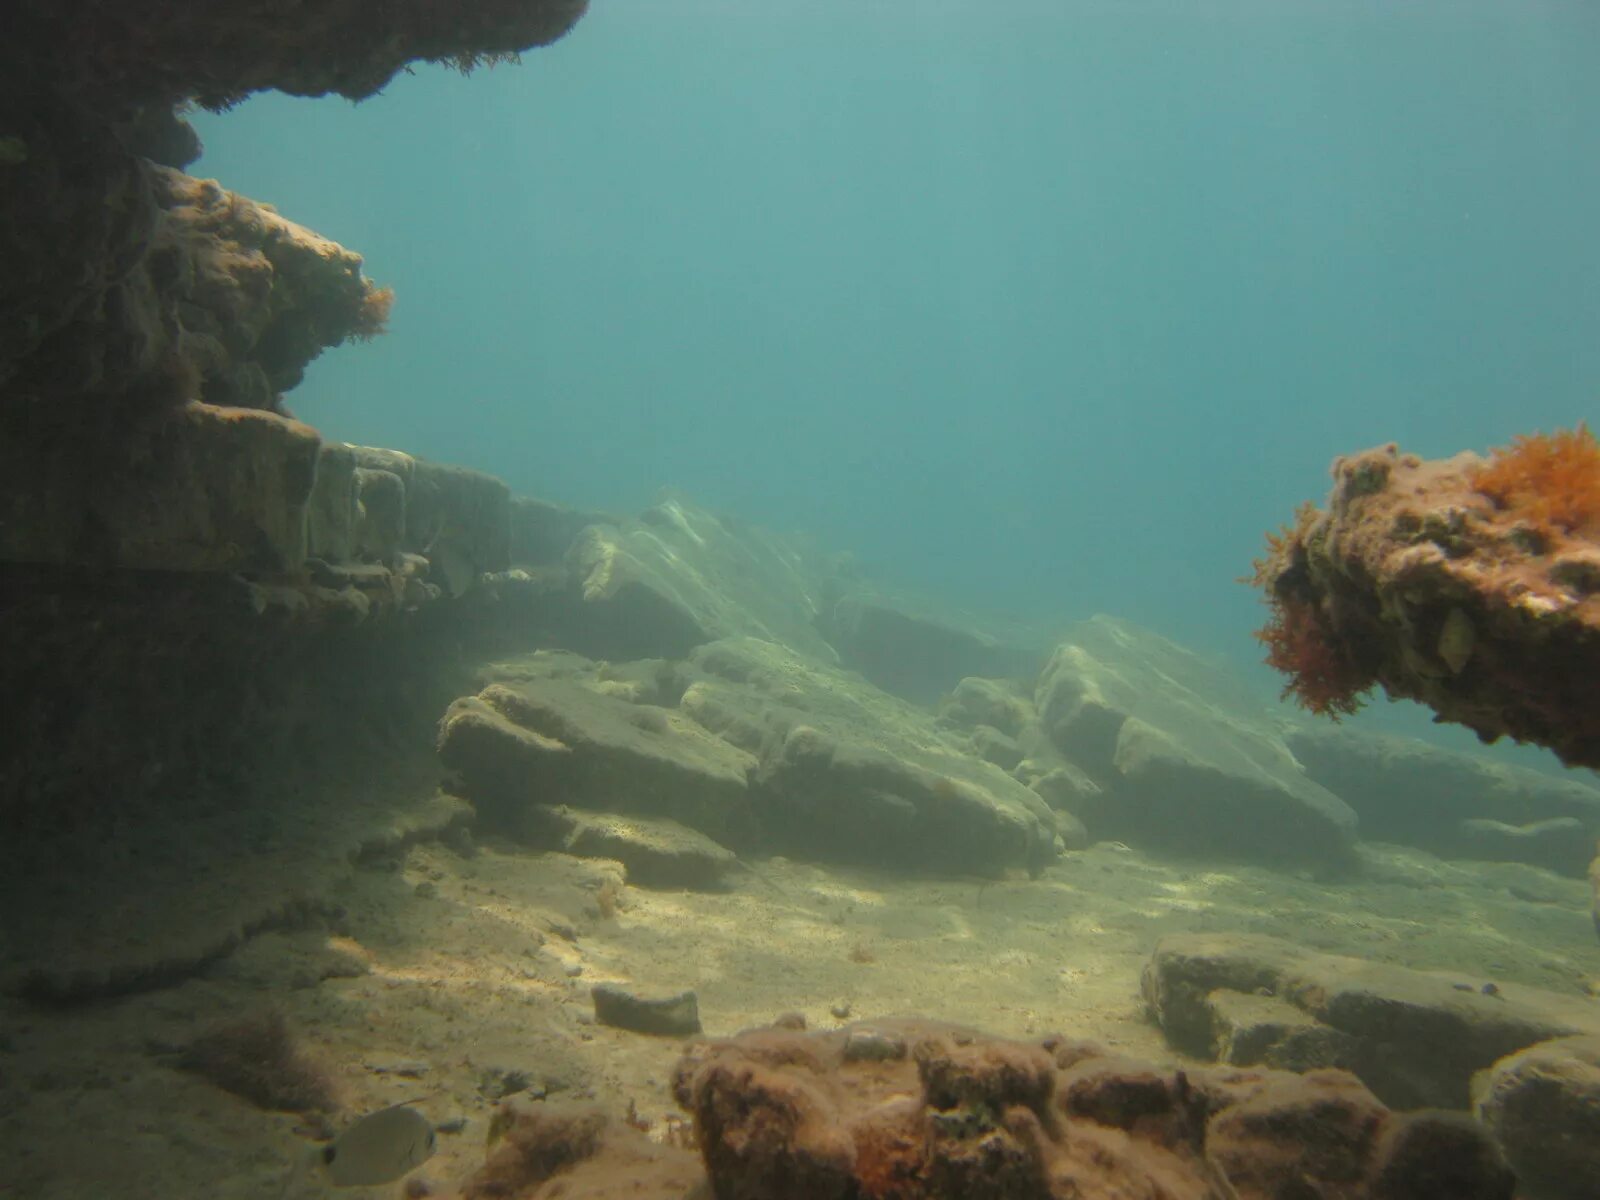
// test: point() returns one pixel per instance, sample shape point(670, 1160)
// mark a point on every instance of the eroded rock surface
point(1415, 578)
point(918, 1110)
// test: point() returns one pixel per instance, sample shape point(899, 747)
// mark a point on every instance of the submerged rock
point(1544, 1105)
point(910, 650)
point(748, 743)
point(849, 773)
point(681, 576)
point(1181, 756)
point(657, 852)
point(1414, 1037)
point(540, 742)
point(960, 1114)
point(668, 1016)
point(1407, 791)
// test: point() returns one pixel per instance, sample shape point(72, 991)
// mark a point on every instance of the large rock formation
point(1471, 586)
point(1455, 805)
point(748, 742)
point(1147, 742)
point(1416, 1038)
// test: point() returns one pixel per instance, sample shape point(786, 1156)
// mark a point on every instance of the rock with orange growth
point(1471, 586)
point(543, 1151)
point(918, 1110)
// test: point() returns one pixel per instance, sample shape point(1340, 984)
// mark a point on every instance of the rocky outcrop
point(1543, 1104)
point(119, 54)
point(518, 748)
point(139, 306)
point(749, 743)
point(848, 772)
point(1148, 743)
point(1416, 1038)
point(1455, 805)
point(918, 1110)
point(681, 576)
point(1468, 585)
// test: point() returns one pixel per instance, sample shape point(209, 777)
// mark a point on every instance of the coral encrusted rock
point(1448, 585)
point(909, 1109)
point(912, 1109)
point(1544, 1105)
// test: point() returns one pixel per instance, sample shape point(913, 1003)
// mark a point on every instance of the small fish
point(379, 1148)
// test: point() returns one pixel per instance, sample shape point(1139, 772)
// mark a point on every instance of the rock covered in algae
point(1471, 585)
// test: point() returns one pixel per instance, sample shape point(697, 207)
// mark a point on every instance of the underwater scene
point(848, 600)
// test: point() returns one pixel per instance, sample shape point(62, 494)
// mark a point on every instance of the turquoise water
point(1048, 308)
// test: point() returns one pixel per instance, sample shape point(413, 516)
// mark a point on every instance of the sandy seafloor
point(450, 971)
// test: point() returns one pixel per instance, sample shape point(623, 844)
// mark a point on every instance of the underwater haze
point(1042, 308)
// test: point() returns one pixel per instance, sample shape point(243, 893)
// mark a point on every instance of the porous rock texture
point(1544, 1105)
point(1416, 1038)
point(131, 289)
point(119, 52)
point(917, 1110)
point(1413, 579)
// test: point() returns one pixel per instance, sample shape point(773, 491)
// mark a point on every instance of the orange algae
point(1321, 679)
point(1551, 480)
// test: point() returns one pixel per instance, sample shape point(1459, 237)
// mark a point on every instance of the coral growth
point(256, 1058)
point(1550, 480)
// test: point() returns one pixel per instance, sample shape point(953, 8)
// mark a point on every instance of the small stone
point(841, 1011)
point(671, 1016)
point(793, 1021)
point(573, 970)
point(873, 1045)
point(404, 1068)
point(452, 1125)
point(426, 890)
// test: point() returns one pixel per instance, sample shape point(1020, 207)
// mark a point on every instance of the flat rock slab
point(681, 576)
point(1409, 792)
point(914, 650)
point(556, 741)
point(657, 852)
point(1543, 1103)
point(1414, 1037)
point(850, 773)
point(1184, 757)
